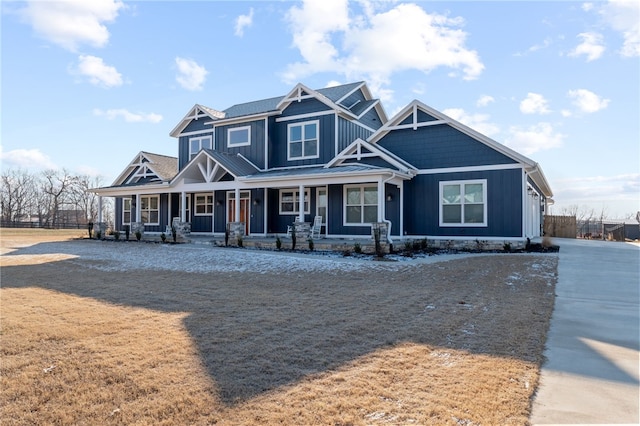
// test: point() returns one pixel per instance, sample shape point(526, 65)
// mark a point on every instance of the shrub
point(174, 233)
point(311, 244)
point(408, 248)
point(416, 245)
point(98, 235)
point(116, 235)
point(240, 242)
point(278, 243)
point(424, 244)
point(293, 238)
point(138, 235)
point(357, 248)
point(163, 237)
point(126, 231)
point(506, 247)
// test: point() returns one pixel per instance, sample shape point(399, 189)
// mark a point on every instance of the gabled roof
point(196, 112)
point(300, 92)
point(148, 167)
point(360, 149)
point(211, 166)
point(399, 121)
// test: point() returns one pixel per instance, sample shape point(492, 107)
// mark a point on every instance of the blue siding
point(422, 117)
point(440, 146)
point(372, 119)
point(504, 204)
point(183, 148)
point(278, 141)
point(256, 219)
point(198, 125)
point(349, 132)
point(336, 213)
point(305, 106)
point(253, 152)
point(392, 208)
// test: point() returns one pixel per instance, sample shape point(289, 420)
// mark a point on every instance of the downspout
point(384, 208)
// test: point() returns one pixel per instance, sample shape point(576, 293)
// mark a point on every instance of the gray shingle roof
point(337, 92)
point(165, 167)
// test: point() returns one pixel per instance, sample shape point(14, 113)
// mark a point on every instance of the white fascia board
point(129, 168)
point(292, 97)
point(470, 169)
point(191, 115)
point(325, 179)
point(241, 119)
point(358, 87)
point(131, 190)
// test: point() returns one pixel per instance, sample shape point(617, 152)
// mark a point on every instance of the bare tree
point(56, 187)
point(84, 200)
point(16, 194)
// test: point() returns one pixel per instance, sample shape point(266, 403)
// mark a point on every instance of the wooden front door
point(245, 198)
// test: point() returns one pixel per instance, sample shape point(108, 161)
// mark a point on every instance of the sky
point(86, 85)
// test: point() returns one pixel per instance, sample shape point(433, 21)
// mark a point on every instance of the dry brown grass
point(458, 342)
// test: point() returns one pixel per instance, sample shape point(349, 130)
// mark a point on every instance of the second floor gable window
point(303, 140)
point(197, 143)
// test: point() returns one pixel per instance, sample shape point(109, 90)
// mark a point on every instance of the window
point(290, 201)
point(302, 140)
point(126, 211)
point(150, 209)
point(361, 206)
point(239, 136)
point(204, 204)
point(463, 203)
point(197, 143)
point(321, 204)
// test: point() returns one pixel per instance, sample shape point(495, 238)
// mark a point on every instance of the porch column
point(381, 200)
point(138, 208)
point(183, 209)
point(99, 208)
point(213, 211)
point(169, 218)
point(301, 203)
point(237, 212)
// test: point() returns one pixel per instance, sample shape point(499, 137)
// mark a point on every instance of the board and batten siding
point(253, 152)
point(349, 132)
point(183, 147)
point(278, 139)
point(441, 146)
point(504, 204)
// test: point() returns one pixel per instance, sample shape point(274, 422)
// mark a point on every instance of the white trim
point(266, 145)
point(462, 204)
point(415, 125)
point(129, 210)
point(196, 132)
point(149, 209)
point(304, 116)
point(358, 87)
point(238, 129)
point(303, 124)
point(361, 187)
point(242, 118)
point(200, 139)
point(206, 203)
point(326, 207)
point(470, 169)
point(295, 201)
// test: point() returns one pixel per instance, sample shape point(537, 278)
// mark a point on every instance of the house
point(260, 166)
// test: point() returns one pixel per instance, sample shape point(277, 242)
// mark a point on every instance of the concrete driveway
point(591, 374)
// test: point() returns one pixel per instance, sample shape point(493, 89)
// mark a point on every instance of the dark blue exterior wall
point(277, 224)
point(504, 204)
point(349, 132)
point(278, 142)
point(183, 147)
point(253, 152)
point(440, 146)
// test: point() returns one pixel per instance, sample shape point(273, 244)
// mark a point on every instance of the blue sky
point(87, 85)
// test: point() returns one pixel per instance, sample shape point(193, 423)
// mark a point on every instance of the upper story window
point(302, 140)
point(198, 143)
point(463, 203)
point(239, 136)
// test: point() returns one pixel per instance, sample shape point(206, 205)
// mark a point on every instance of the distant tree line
point(49, 199)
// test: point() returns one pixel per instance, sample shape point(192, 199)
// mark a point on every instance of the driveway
point(591, 373)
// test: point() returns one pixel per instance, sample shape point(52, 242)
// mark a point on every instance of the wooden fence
point(560, 226)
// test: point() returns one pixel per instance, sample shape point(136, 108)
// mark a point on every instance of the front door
point(245, 198)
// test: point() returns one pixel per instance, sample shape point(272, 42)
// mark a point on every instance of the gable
point(148, 168)
point(196, 120)
point(362, 152)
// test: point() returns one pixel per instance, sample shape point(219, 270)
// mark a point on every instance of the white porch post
point(381, 200)
point(138, 208)
point(237, 212)
point(301, 203)
point(183, 206)
point(169, 219)
point(99, 208)
point(213, 211)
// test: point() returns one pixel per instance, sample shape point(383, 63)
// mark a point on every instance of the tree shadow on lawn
point(257, 332)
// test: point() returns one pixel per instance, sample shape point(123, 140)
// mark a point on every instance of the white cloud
point(71, 23)
point(587, 101)
point(535, 138)
point(242, 22)
point(99, 73)
point(191, 76)
point(591, 46)
point(624, 16)
point(377, 43)
point(587, 6)
point(129, 117)
point(478, 122)
point(26, 158)
point(534, 103)
point(484, 100)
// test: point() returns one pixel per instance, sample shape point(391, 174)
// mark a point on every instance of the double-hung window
point(150, 209)
point(239, 136)
point(361, 206)
point(302, 140)
point(290, 201)
point(126, 211)
point(204, 204)
point(463, 203)
point(197, 143)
